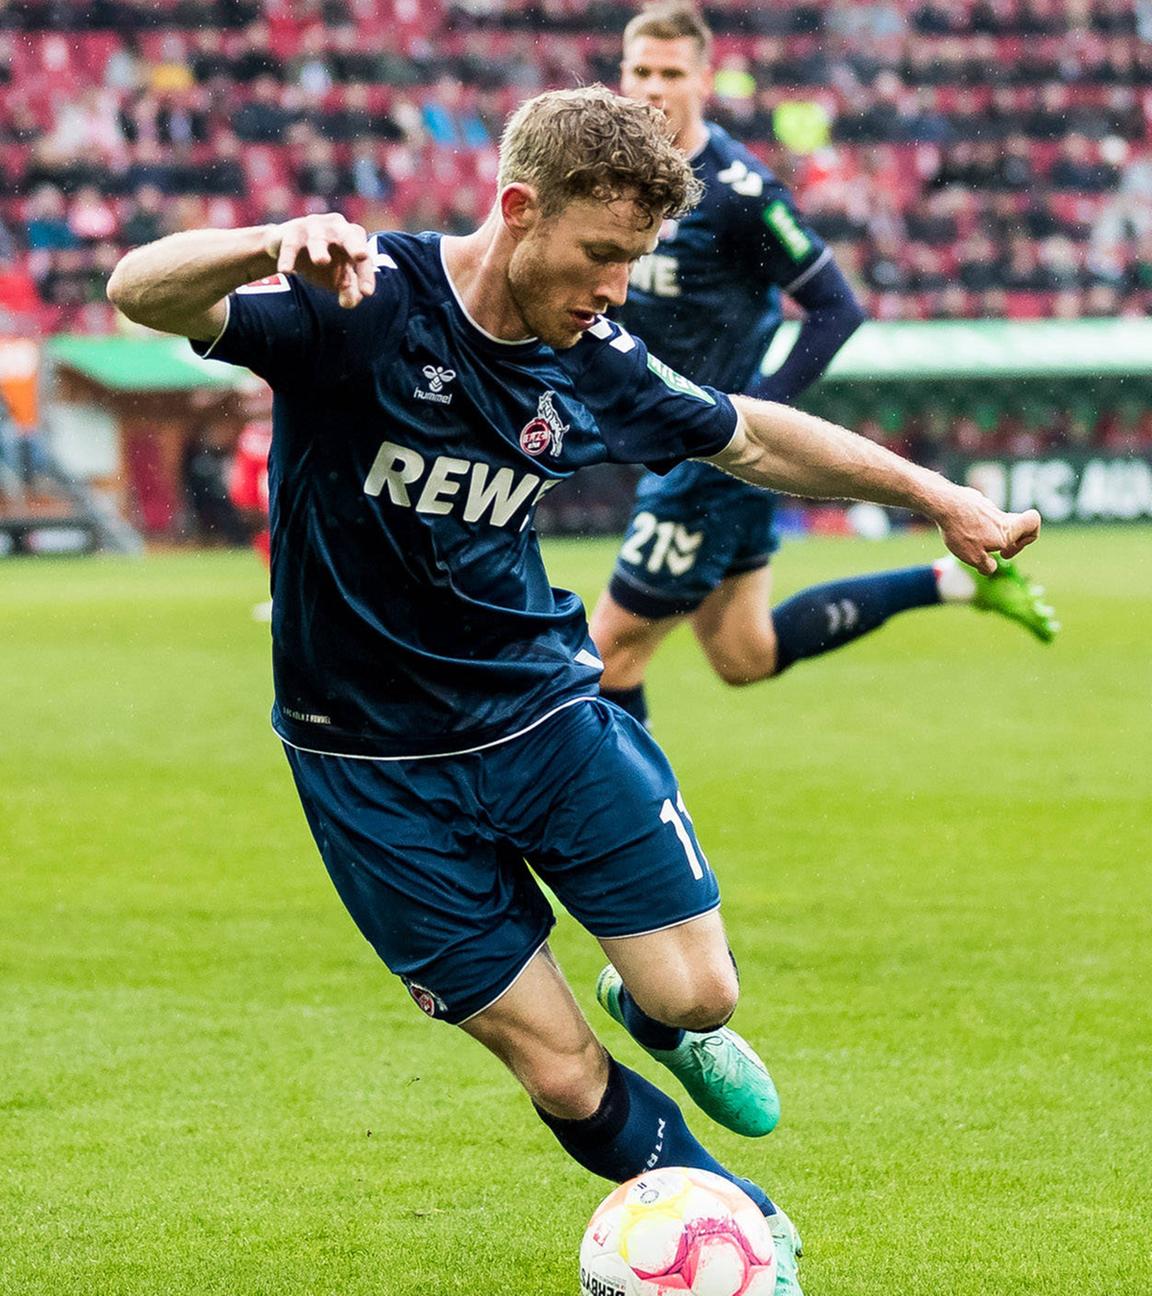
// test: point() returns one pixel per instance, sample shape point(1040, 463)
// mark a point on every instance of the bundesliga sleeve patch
point(270, 284)
point(677, 382)
point(782, 223)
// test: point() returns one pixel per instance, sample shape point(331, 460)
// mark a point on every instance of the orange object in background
point(20, 381)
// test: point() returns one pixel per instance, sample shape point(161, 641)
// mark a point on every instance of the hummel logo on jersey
point(438, 378)
point(545, 431)
point(748, 184)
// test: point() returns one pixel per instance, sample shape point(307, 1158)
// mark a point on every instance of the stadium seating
point(966, 157)
point(1010, 127)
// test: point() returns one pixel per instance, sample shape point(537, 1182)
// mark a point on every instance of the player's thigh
point(734, 627)
point(683, 975)
point(536, 1028)
point(613, 838)
point(626, 641)
point(451, 910)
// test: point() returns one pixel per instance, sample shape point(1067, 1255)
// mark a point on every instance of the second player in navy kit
point(708, 300)
point(436, 697)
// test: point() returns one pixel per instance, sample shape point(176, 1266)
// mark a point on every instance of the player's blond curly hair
point(591, 143)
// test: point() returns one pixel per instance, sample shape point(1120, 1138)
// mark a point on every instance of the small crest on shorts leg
point(428, 1001)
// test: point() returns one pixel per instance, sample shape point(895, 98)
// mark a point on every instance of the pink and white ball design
point(677, 1230)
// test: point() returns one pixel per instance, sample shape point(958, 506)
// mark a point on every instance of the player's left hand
point(974, 529)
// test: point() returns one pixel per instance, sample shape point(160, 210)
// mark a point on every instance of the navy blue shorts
point(687, 533)
point(434, 858)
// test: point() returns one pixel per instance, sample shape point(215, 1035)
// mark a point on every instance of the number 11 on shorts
point(670, 813)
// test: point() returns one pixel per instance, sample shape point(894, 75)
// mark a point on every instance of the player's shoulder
point(604, 342)
point(733, 169)
point(399, 251)
point(615, 360)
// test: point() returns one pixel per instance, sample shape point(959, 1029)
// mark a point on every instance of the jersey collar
point(522, 346)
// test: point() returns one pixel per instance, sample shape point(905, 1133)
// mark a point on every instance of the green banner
point(1073, 487)
point(887, 350)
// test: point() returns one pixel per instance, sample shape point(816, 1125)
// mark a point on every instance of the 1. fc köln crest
point(546, 431)
point(428, 1001)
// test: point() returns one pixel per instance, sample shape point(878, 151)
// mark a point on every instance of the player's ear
point(520, 208)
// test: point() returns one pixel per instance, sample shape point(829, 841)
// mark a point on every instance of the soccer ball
point(677, 1230)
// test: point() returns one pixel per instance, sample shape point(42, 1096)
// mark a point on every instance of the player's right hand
point(974, 529)
point(328, 251)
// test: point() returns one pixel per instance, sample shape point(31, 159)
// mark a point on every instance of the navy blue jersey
point(708, 298)
point(411, 611)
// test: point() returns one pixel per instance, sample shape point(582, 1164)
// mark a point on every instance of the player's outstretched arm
point(178, 284)
point(791, 451)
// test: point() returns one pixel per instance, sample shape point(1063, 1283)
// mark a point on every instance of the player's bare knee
point(739, 674)
point(729, 674)
point(703, 1002)
point(567, 1084)
point(707, 1012)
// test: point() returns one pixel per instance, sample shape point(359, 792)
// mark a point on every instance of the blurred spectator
point(18, 294)
point(172, 71)
point(263, 119)
point(143, 220)
point(46, 227)
point(320, 176)
point(205, 469)
point(91, 217)
point(88, 126)
point(979, 265)
point(150, 166)
point(1076, 169)
point(368, 178)
point(255, 59)
point(208, 60)
point(124, 71)
point(311, 69)
point(450, 120)
point(71, 279)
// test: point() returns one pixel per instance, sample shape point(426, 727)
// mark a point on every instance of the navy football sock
point(644, 1029)
point(638, 1128)
point(825, 617)
point(631, 700)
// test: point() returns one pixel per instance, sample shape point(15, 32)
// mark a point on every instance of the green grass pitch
point(935, 849)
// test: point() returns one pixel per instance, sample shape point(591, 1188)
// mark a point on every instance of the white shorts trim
point(466, 751)
point(680, 922)
point(523, 969)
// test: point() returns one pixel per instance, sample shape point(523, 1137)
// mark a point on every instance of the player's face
point(570, 267)
point(669, 74)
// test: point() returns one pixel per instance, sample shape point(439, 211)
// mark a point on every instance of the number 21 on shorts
point(675, 815)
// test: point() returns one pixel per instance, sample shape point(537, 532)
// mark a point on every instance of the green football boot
point(788, 1251)
point(723, 1076)
point(1014, 596)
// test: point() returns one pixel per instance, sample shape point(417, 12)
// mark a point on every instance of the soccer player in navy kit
point(437, 699)
point(707, 300)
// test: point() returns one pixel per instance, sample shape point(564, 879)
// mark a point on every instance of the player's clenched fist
point(327, 250)
point(974, 528)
